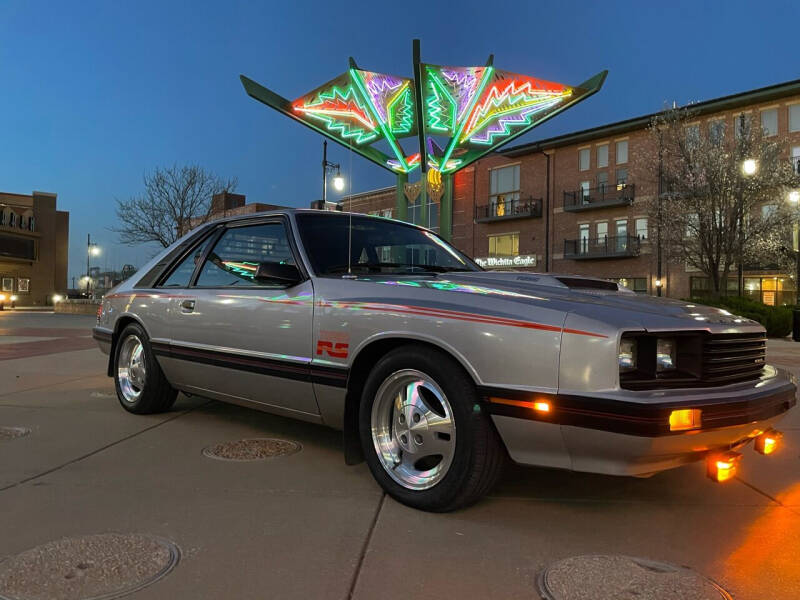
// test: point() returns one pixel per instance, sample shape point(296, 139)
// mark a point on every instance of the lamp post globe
point(749, 166)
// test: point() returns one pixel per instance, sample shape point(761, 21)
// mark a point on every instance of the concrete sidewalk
point(307, 526)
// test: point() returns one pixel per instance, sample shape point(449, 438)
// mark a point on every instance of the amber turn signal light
point(685, 419)
point(722, 467)
point(767, 442)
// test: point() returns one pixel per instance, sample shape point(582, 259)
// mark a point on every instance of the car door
point(241, 338)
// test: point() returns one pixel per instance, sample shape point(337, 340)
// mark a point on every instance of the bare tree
point(715, 207)
point(175, 199)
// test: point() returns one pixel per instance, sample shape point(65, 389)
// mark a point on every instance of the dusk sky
point(96, 93)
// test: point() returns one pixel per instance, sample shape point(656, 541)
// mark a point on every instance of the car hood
point(620, 306)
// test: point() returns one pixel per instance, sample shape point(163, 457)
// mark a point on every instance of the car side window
point(234, 259)
point(182, 274)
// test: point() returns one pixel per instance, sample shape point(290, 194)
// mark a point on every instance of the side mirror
point(278, 273)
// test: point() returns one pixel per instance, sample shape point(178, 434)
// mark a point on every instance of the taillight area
point(99, 312)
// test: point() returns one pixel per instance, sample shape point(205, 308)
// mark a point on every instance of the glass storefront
point(772, 290)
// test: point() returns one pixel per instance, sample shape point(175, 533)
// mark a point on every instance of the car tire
point(433, 447)
point(140, 383)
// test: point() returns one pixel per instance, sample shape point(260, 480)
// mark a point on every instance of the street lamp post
point(749, 168)
point(92, 249)
point(338, 181)
point(794, 198)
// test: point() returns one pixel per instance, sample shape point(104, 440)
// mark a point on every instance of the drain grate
point(10, 433)
point(624, 578)
point(252, 449)
point(92, 567)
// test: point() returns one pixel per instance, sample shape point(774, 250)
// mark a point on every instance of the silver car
point(436, 370)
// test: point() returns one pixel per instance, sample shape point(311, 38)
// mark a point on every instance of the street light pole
point(338, 182)
point(88, 255)
point(659, 279)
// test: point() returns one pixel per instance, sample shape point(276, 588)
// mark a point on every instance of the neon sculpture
point(455, 115)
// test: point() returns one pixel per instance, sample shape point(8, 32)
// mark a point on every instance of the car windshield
point(376, 246)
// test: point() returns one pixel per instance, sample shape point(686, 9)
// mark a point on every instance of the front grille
point(733, 357)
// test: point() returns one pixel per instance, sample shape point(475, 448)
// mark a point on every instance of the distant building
point(34, 246)
point(571, 204)
point(102, 281)
point(226, 204)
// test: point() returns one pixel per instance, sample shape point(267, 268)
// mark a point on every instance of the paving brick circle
point(10, 433)
point(624, 578)
point(252, 449)
point(91, 567)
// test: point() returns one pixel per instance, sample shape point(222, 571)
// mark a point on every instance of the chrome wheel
point(413, 429)
point(131, 368)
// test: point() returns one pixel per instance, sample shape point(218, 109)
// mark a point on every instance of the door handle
point(187, 305)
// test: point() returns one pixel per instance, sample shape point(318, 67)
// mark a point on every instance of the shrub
point(777, 320)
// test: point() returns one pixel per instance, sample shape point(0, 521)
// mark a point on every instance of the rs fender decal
point(452, 314)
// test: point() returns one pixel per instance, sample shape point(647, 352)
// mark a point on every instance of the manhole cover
point(91, 567)
point(10, 433)
point(624, 578)
point(255, 449)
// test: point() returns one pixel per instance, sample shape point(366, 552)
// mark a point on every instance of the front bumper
point(629, 434)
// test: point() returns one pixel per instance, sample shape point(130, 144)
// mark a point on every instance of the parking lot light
point(723, 467)
point(767, 442)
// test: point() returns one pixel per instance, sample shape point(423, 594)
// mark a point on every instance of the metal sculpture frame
point(456, 114)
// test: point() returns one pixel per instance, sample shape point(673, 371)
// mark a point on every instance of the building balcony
point(624, 246)
point(508, 210)
point(600, 197)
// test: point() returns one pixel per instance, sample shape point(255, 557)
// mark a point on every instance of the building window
point(602, 230)
point(636, 284)
point(716, 132)
point(622, 178)
point(506, 244)
point(602, 156)
point(23, 285)
point(693, 136)
point(2, 217)
point(796, 159)
point(8, 284)
point(583, 232)
point(794, 117)
point(742, 124)
point(585, 186)
point(768, 211)
point(503, 189)
point(622, 152)
point(387, 213)
point(12, 220)
point(584, 156)
point(602, 181)
point(641, 229)
point(769, 121)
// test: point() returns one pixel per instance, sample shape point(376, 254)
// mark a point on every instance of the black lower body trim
point(635, 418)
point(332, 376)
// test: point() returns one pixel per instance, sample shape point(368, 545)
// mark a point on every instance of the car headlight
point(665, 354)
point(2, 297)
point(57, 298)
point(627, 355)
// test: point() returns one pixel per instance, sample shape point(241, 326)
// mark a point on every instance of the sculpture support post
point(446, 208)
point(400, 203)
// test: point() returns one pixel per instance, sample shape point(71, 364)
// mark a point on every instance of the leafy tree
point(711, 212)
point(175, 200)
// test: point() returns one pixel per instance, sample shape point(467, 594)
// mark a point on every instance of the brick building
point(571, 204)
point(34, 244)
